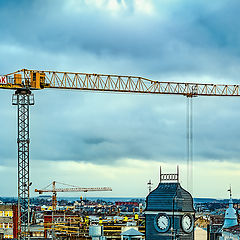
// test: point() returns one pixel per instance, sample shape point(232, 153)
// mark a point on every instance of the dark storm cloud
point(105, 128)
point(199, 37)
point(183, 39)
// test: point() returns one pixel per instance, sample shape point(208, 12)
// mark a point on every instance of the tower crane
point(25, 81)
point(54, 190)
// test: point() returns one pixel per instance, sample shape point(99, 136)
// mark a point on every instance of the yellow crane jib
point(37, 79)
point(54, 190)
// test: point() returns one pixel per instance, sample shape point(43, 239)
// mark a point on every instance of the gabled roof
point(132, 232)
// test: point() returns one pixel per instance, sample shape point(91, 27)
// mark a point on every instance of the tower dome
point(230, 218)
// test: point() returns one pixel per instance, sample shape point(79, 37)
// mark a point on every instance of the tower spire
point(230, 218)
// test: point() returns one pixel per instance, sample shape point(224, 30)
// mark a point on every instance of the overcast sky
point(119, 140)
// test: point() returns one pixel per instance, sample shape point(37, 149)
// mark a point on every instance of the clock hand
point(188, 224)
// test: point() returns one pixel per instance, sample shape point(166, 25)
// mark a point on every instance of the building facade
point(8, 221)
point(231, 233)
point(169, 211)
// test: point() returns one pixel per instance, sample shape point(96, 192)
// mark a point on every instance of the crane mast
point(23, 99)
point(24, 81)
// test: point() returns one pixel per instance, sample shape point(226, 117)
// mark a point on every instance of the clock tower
point(169, 210)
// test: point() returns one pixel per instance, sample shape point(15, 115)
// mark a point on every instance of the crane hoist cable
point(189, 142)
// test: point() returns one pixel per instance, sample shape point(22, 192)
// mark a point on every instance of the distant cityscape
point(109, 213)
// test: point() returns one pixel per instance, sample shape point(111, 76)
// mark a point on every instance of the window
point(8, 213)
point(8, 236)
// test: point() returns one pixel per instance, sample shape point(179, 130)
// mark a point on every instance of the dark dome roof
point(163, 197)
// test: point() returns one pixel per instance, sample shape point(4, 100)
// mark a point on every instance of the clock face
point(162, 223)
point(187, 223)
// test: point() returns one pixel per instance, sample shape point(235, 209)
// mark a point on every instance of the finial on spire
point(149, 185)
point(230, 191)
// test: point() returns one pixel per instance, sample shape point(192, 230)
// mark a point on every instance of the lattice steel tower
point(23, 99)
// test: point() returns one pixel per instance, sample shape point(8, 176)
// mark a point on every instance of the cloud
point(182, 41)
point(180, 38)
point(144, 6)
point(127, 179)
point(162, 40)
